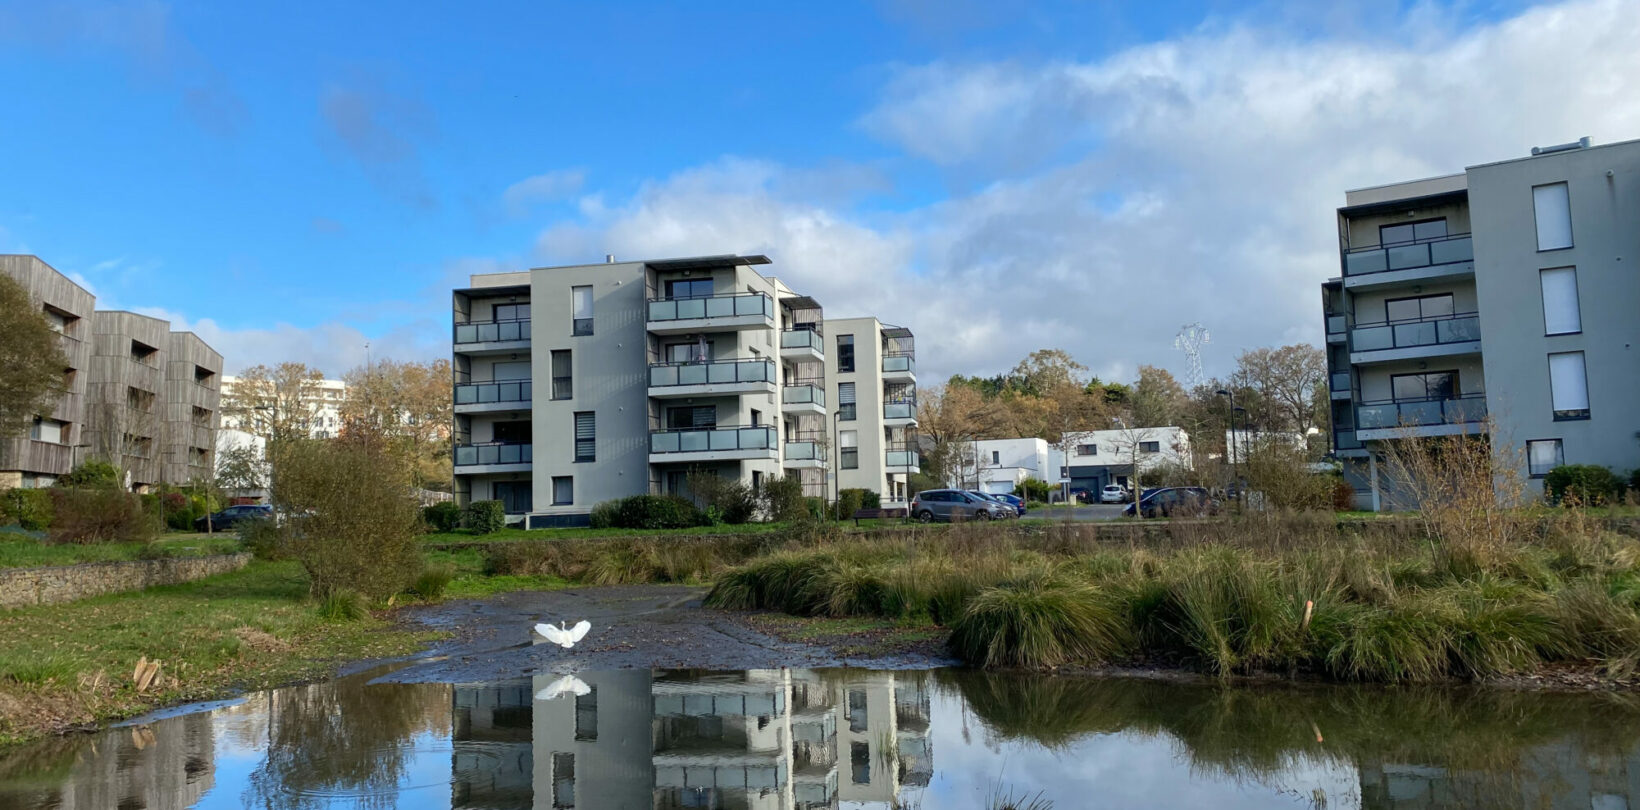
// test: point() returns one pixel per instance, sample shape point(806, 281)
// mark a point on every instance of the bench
point(872, 514)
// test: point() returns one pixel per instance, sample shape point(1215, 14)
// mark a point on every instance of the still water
point(803, 739)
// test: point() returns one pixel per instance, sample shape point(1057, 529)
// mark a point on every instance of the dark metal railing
point(716, 306)
point(719, 372)
point(715, 439)
point(487, 392)
point(467, 455)
point(1383, 414)
point(1462, 327)
point(492, 331)
point(1450, 249)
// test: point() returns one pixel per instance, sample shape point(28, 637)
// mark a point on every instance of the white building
point(322, 409)
point(998, 465)
point(1243, 443)
point(1098, 458)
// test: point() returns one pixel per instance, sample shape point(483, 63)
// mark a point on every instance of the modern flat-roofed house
point(581, 384)
point(1094, 459)
point(1497, 301)
point(38, 456)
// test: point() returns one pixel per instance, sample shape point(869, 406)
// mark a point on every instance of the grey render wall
point(50, 288)
point(1606, 252)
point(868, 392)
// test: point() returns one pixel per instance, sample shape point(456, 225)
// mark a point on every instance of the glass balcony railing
point(1335, 325)
point(468, 455)
point(1442, 250)
point(1341, 381)
point(900, 458)
point(706, 440)
point(716, 373)
point(899, 410)
point(802, 450)
point(492, 331)
point(803, 339)
point(899, 363)
point(488, 392)
point(1463, 327)
point(1346, 440)
point(803, 394)
point(1464, 410)
point(716, 306)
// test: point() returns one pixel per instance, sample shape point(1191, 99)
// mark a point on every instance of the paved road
point(1092, 511)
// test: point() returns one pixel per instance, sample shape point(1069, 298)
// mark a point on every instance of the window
point(515, 496)
point(689, 288)
point(858, 716)
point(1064, 472)
point(1087, 449)
point(859, 760)
point(1150, 447)
point(512, 312)
point(757, 418)
point(47, 430)
point(1553, 207)
point(757, 482)
point(580, 310)
point(56, 321)
point(1425, 386)
point(563, 381)
point(845, 353)
point(845, 402)
point(1543, 455)
point(848, 444)
point(563, 781)
point(517, 370)
point(586, 436)
point(1409, 232)
point(1568, 386)
point(1560, 310)
point(691, 418)
point(586, 716)
point(143, 353)
point(697, 351)
point(996, 457)
point(563, 490)
point(1402, 310)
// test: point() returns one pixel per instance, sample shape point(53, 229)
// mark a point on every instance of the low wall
point(23, 587)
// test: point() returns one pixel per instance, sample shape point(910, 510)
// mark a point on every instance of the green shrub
point(783, 500)
point(850, 501)
point(342, 606)
point(1582, 485)
point(816, 507)
point(98, 515)
point(432, 582)
point(91, 473)
point(605, 515)
point(725, 500)
point(1032, 489)
point(1039, 621)
point(28, 508)
point(262, 538)
point(486, 517)
point(650, 512)
point(444, 516)
point(178, 511)
point(351, 518)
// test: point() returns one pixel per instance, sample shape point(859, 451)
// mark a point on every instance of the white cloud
point(1187, 180)
point(553, 185)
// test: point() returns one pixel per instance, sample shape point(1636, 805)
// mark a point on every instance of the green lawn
point(465, 536)
point(22, 551)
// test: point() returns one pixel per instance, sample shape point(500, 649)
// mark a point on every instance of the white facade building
point(998, 465)
point(1098, 458)
point(323, 409)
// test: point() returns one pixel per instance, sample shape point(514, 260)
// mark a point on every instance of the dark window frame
point(586, 448)
point(1414, 226)
point(1452, 310)
point(1457, 387)
point(1560, 456)
point(845, 354)
point(571, 480)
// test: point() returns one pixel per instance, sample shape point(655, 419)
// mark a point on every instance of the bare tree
point(1286, 380)
point(276, 403)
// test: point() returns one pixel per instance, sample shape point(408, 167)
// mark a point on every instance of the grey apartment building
point(648, 371)
point(1501, 296)
point(139, 395)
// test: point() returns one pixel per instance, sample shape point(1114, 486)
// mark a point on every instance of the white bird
point(564, 636)
point(567, 685)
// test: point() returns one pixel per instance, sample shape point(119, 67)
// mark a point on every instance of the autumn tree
point(1157, 399)
point(1286, 380)
point(1047, 370)
point(278, 402)
point(32, 356)
point(409, 406)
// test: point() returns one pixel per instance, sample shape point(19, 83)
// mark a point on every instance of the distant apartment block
point(140, 396)
point(1502, 296)
point(318, 408)
point(652, 370)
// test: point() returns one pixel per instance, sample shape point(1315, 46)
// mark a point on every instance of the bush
point(178, 510)
point(726, 500)
point(444, 516)
point(486, 517)
point(648, 512)
point(1033, 489)
point(342, 606)
point(783, 500)
point(1582, 485)
point(262, 538)
point(816, 507)
point(432, 582)
point(92, 473)
point(28, 508)
point(850, 501)
point(605, 515)
point(99, 515)
point(1039, 622)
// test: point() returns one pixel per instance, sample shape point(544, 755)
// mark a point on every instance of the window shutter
point(1554, 216)
point(1568, 386)
point(586, 436)
point(845, 393)
point(1560, 309)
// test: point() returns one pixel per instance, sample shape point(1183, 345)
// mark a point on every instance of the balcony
point(803, 397)
point(485, 337)
point(1339, 385)
point(900, 414)
point(899, 368)
point(1423, 417)
point(801, 453)
point(1439, 336)
point(803, 345)
point(506, 395)
point(1337, 331)
point(721, 378)
point(1439, 257)
point(713, 444)
point(900, 458)
point(717, 313)
point(492, 457)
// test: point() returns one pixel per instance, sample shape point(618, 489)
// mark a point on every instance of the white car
point(1114, 493)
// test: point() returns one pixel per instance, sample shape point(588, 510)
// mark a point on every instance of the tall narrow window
point(1560, 310)
point(845, 402)
point(845, 353)
point(1568, 386)
point(1553, 207)
point(563, 384)
point(586, 436)
point(1543, 455)
point(848, 448)
point(563, 781)
point(586, 716)
point(996, 457)
point(581, 303)
point(563, 490)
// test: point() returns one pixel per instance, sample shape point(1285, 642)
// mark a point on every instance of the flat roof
point(800, 302)
point(701, 262)
point(1579, 150)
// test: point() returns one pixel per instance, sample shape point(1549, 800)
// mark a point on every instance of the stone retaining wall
point(23, 587)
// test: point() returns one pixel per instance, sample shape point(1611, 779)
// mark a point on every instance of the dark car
point(1015, 501)
point(1175, 502)
point(1009, 510)
point(954, 504)
point(233, 515)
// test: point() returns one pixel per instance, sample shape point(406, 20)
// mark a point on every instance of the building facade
point(872, 369)
point(997, 466)
point(653, 370)
point(319, 408)
point(1094, 459)
point(1495, 302)
point(48, 449)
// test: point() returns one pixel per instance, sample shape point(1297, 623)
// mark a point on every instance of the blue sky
point(294, 179)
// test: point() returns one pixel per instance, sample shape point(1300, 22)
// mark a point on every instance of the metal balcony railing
point(1341, 381)
point(1450, 249)
point(1336, 325)
point(722, 372)
point(803, 339)
point(717, 439)
point(492, 331)
point(801, 450)
point(1467, 409)
point(716, 306)
point(803, 394)
point(899, 455)
point(468, 455)
point(488, 392)
point(1462, 327)
point(899, 410)
point(900, 363)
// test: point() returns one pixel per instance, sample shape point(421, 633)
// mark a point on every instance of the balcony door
point(516, 497)
point(1421, 308)
point(511, 432)
point(689, 288)
point(691, 417)
point(694, 351)
point(519, 370)
point(1407, 233)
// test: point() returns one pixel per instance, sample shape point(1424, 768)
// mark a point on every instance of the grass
point(22, 551)
point(507, 535)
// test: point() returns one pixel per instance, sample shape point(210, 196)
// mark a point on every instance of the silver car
point(954, 504)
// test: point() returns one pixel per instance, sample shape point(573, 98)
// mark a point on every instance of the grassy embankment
point(22, 551)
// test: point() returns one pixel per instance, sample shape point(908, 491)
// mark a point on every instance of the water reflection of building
point(755, 740)
point(166, 766)
point(1562, 775)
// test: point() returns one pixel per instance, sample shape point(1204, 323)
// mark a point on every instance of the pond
point(847, 738)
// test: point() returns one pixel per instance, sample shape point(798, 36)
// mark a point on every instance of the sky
point(295, 180)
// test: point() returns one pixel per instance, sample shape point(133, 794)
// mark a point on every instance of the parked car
point(954, 504)
point(1013, 511)
point(1175, 502)
point(233, 515)
point(1015, 501)
point(1114, 493)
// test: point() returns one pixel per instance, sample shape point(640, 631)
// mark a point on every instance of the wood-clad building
point(125, 405)
point(193, 395)
point(47, 449)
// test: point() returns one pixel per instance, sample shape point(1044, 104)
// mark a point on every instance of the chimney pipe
point(609, 258)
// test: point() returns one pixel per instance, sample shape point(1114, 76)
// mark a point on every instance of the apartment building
point(655, 370)
point(872, 369)
point(1094, 459)
point(38, 457)
point(318, 408)
point(1493, 299)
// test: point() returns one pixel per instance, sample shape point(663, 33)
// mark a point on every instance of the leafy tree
point(1157, 399)
point(32, 356)
point(278, 402)
point(1047, 370)
point(1286, 380)
point(408, 405)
